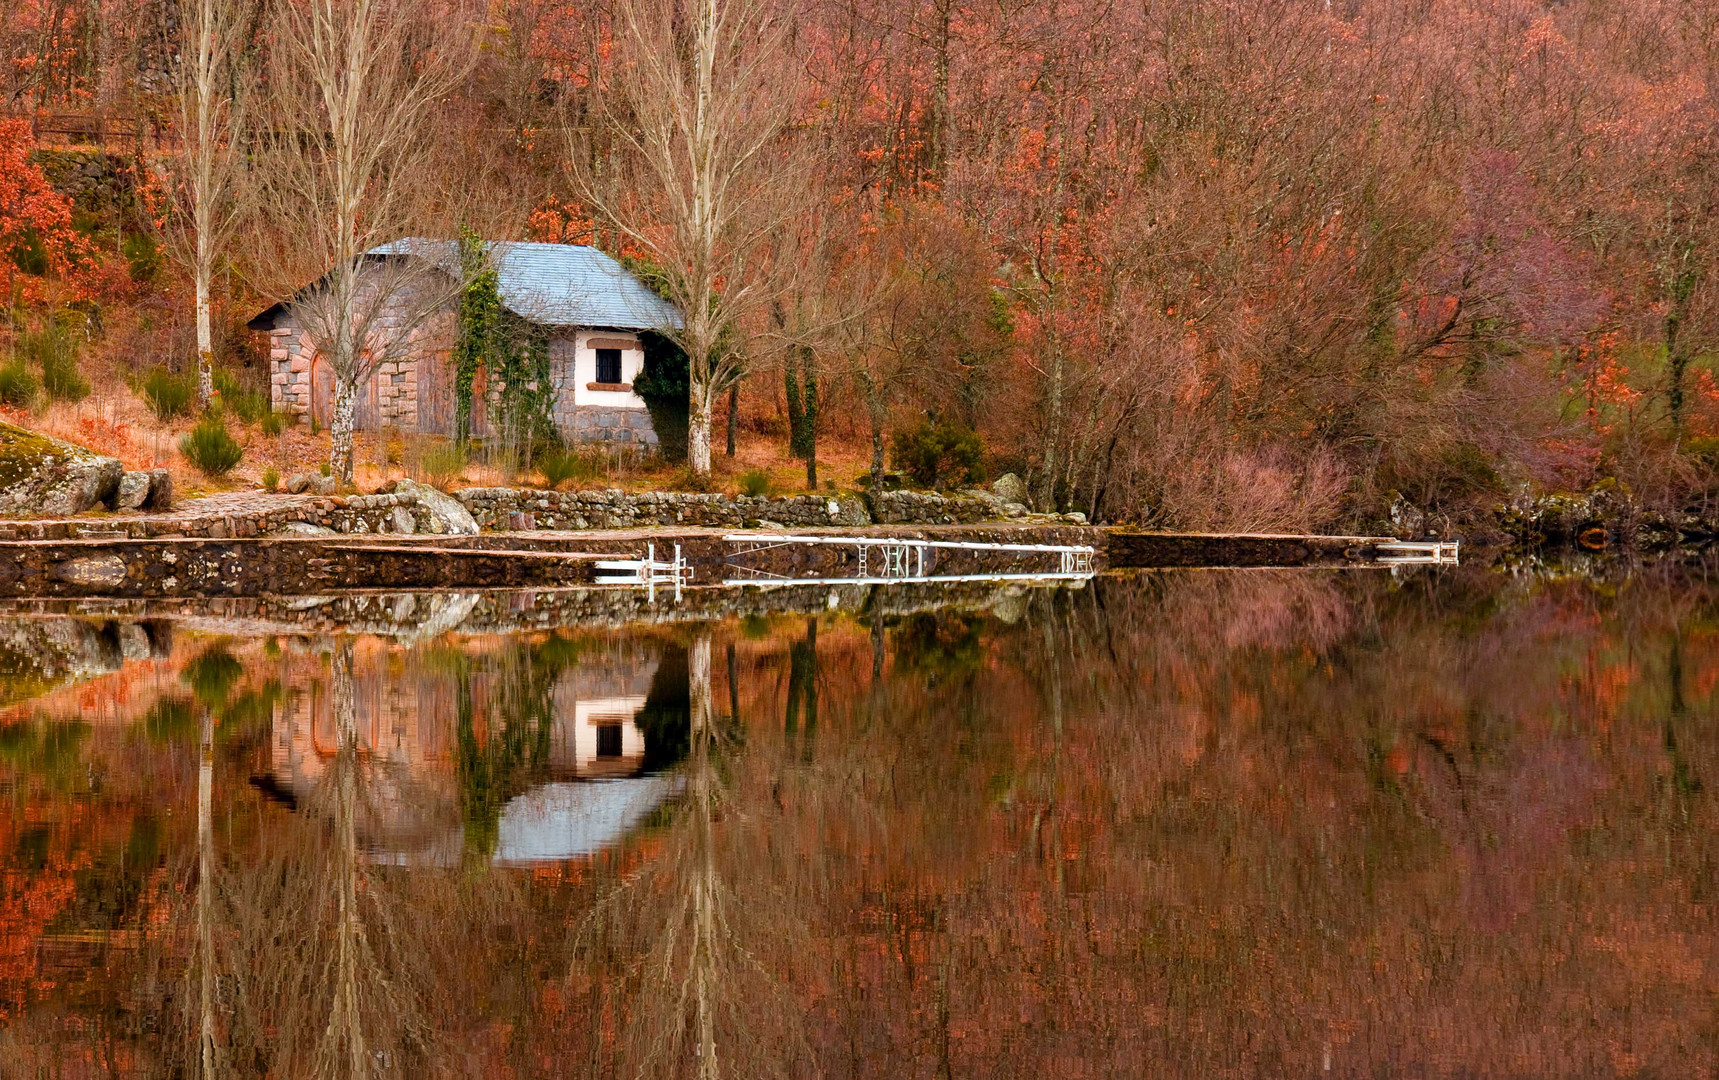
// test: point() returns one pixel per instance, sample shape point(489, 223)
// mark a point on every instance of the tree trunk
point(340, 429)
point(1677, 363)
point(809, 392)
point(733, 416)
point(205, 334)
point(876, 414)
point(698, 433)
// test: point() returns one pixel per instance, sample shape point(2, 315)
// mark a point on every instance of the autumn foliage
point(36, 235)
point(1264, 263)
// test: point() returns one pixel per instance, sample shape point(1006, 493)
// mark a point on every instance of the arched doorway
point(321, 391)
point(322, 394)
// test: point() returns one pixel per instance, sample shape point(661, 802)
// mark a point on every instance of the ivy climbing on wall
point(514, 354)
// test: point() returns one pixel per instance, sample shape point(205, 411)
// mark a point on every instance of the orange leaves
point(36, 235)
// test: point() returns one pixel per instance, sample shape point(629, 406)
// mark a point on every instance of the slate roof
point(549, 284)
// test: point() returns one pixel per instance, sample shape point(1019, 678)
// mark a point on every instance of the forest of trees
point(1239, 263)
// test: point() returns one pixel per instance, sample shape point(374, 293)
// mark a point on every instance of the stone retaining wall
point(224, 517)
point(516, 509)
point(928, 508)
point(253, 513)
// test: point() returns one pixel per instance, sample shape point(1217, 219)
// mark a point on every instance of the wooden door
point(321, 391)
point(365, 414)
point(435, 394)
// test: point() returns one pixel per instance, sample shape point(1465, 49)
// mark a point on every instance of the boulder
point(302, 528)
point(447, 516)
point(133, 491)
point(43, 476)
point(160, 491)
point(298, 483)
point(404, 523)
point(1010, 488)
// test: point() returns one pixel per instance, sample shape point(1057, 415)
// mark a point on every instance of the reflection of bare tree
point(205, 916)
point(709, 1001)
point(340, 986)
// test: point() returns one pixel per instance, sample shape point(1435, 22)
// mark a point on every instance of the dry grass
point(115, 420)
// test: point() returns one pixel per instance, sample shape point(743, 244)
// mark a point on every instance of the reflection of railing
point(889, 559)
point(1430, 552)
point(648, 571)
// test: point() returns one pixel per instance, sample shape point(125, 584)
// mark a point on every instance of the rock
point(302, 528)
point(1075, 517)
point(133, 491)
point(45, 476)
point(324, 485)
point(1010, 488)
point(404, 523)
point(298, 483)
point(93, 571)
point(160, 491)
point(447, 515)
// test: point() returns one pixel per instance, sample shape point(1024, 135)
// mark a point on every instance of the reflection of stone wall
point(37, 655)
point(403, 722)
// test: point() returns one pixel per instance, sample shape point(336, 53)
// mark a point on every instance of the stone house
point(596, 315)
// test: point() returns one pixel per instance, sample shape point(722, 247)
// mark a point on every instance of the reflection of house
point(410, 720)
point(595, 706)
point(571, 820)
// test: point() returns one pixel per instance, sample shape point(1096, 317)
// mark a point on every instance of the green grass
point(755, 482)
point(560, 465)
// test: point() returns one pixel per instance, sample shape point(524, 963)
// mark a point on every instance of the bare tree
point(349, 176)
point(212, 80)
point(689, 155)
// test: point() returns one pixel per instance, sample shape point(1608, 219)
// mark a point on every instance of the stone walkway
point(237, 513)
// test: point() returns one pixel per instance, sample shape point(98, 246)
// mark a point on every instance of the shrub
point(561, 464)
point(441, 462)
point(754, 482)
point(271, 478)
point(169, 395)
point(55, 348)
point(250, 406)
point(17, 385)
point(142, 257)
point(687, 480)
point(274, 423)
point(210, 448)
point(938, 453)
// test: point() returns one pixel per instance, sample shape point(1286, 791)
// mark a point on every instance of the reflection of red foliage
point(30, 898)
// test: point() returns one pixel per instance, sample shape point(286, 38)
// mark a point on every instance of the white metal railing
point(888, 559)
point(648, 571)
point(1431, 552)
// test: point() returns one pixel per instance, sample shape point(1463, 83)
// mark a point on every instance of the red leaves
point(36, 235)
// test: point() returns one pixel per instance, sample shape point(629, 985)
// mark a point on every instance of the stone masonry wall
point(514, 509)
point(248, 514)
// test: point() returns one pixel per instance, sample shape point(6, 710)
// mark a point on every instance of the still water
point(1196, 824)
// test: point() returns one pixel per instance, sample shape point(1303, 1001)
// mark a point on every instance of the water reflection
point(1257, 823)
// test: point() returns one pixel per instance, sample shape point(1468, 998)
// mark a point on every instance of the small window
point(609, 740)
point(609, 365)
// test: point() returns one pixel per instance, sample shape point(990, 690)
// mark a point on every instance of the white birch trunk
point(340, 429)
